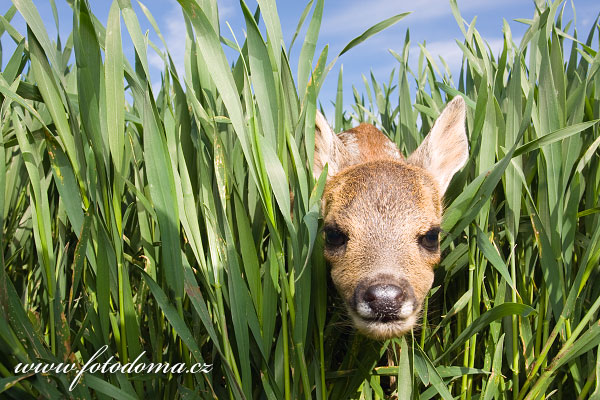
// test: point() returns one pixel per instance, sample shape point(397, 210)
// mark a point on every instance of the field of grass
point(160, 221)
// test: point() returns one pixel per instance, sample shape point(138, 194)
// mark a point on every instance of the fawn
point(382, 216)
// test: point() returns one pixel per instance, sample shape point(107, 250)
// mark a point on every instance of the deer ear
point(328, 148)
point(445, 150)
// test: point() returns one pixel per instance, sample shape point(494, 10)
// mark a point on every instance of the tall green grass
point(163, 221)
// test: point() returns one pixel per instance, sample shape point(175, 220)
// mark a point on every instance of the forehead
point(388, 189)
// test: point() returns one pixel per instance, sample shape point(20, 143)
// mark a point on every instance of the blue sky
point(431, 21)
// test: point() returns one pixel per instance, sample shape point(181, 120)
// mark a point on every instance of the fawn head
point(382, 216)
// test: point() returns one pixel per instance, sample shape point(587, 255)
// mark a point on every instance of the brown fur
point(369, 144)
point(384, 205)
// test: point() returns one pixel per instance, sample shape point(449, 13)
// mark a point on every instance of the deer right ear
point(328, 148)
point(445, 150)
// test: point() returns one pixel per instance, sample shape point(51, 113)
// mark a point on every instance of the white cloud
point(354, 18)
point(226, 9)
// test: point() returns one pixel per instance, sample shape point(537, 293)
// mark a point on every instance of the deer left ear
point(329, 149)
point(445, 150)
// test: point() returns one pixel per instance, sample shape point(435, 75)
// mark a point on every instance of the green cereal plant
point(181, 221)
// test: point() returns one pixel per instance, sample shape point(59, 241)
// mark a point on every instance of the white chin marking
point(383, 330)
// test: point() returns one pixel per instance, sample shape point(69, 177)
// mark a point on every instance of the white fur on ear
point(445, 150)
point(328, 148)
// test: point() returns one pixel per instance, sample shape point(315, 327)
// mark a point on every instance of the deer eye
point(430, 240)
point(334, 237)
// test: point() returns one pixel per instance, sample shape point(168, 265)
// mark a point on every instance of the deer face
point(382, 217)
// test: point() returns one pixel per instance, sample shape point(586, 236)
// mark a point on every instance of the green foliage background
point(160, 221)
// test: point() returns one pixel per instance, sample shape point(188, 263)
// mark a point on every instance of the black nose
point(385, 300)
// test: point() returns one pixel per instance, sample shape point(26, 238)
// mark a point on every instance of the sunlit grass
point(161, 221)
